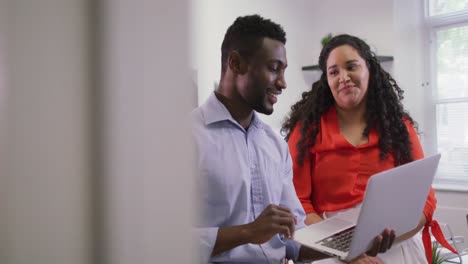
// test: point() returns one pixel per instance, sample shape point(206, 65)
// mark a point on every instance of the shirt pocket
point(274, 176)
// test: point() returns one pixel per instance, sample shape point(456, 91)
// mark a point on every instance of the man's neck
point(236, 106)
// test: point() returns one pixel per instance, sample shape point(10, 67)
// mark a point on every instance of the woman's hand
point(410, 234)
point(364, 259)
point(312, 218)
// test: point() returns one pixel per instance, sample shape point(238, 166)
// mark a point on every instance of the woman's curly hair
point(384, 111)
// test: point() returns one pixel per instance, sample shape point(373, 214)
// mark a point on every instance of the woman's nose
point(344, 77)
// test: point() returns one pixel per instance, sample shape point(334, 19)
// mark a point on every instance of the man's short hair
point(246, 35)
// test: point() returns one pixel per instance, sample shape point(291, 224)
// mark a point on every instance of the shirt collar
point(215, 111)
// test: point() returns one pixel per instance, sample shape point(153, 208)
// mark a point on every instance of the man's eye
point(274, 68)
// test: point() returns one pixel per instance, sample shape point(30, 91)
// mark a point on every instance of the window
point(447, 21)
point(442, 7)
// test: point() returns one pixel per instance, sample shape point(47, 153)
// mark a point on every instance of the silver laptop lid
point(394, 199)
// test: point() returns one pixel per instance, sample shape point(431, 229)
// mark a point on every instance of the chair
point(455, 241)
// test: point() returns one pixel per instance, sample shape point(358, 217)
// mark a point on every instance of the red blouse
point(334, 175)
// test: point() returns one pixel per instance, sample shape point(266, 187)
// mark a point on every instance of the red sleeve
point(418, 153)
point(302, 174)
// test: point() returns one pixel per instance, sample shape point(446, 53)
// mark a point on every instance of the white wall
point(3, 108)
point(411, 62)
point(305, 23)
point(148, 158)
point(45, 173)
point(47, 200)
point(452, 208)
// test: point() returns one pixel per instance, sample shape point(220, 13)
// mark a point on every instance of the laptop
point(394, 199)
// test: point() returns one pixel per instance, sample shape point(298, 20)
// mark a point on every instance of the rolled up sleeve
point(206, 238)
point(292, 250)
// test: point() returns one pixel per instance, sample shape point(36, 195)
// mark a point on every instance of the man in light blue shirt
point(249, 208)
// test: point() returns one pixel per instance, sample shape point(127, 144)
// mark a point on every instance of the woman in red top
point(350, 126)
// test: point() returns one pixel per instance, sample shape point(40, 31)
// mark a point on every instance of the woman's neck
point(352, 124)
point(352, 117)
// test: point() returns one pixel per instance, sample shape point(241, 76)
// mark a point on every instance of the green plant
point(325, 39)
point(436, 257)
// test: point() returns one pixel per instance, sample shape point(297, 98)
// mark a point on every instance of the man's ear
point(237, 63)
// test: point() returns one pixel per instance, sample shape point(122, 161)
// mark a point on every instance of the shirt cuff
point(292, 250)
point(206, 239)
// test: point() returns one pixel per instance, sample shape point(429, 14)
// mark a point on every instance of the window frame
point(434, 24)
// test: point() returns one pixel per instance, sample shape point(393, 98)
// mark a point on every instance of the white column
point(148, 155)
point(44, 173)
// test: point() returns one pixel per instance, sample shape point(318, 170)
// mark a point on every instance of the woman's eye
point(333, 73)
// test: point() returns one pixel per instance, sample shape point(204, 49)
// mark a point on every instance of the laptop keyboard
point(340, 241)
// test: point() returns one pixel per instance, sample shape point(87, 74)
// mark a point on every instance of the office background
point(95, 162)
point(394, 28)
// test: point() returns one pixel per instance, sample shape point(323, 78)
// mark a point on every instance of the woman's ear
point(237, 63)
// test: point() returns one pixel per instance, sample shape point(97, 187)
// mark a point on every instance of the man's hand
point(273, 220)
point(382, 242)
